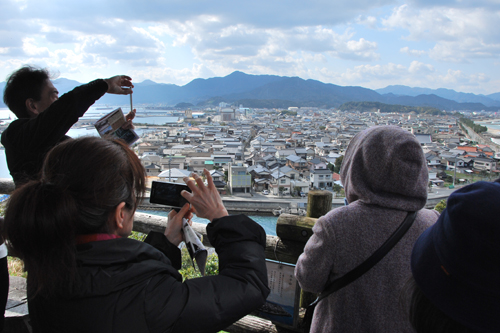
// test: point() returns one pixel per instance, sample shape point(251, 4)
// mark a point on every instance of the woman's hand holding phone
point(205, 200)
point(173, 231)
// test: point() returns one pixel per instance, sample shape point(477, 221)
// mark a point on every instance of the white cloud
point(417, 74)
point(420, 68)
point(459, 34)
point(413, 53)
point(354, 42)
point(453, 77)
point(368, 21)
point(240, 43)
point(31, 49)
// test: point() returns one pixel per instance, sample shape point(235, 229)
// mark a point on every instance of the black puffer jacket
point(130, 286)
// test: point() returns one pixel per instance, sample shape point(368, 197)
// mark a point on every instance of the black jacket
point(130, 286)
point(27, 140)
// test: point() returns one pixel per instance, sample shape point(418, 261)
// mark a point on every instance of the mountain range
point(281, 92)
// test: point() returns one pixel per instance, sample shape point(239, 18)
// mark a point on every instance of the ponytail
point(75, 196)
point(40, 223)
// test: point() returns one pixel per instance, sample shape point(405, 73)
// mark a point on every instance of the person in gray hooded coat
point(385, 176)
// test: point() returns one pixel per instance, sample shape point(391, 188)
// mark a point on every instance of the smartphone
point(168, 194)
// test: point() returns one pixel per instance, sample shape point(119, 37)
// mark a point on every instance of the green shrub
point(441, 205)
point(189, 272)
point(137, 236)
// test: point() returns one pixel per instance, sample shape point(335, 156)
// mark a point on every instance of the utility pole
point(455, 174)
point(169, 169)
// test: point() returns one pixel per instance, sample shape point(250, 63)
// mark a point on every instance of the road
point(437, 192)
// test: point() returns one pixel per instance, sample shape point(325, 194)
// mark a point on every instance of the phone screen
point(168, 194)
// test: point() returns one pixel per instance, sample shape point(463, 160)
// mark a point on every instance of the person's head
point(29, 91)
point(385, 166)
point(456, 265)
point(88, 185)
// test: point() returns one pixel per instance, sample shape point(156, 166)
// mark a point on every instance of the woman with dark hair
point(84, 275)
point(456, 265)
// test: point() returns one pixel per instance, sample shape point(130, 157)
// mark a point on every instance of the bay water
point(267, 222)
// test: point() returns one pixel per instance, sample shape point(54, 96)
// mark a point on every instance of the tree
point(281, 189)
point(336, 188)
point(338, 164)
point(296, 190)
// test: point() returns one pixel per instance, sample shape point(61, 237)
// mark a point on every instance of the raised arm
point(211, 303)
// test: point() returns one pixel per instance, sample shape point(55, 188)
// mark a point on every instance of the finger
point(191, 184)
point(198, 180)
point(187, 195)
point(184, 210)
point(210, 181)
point(193, 209)
point(130, 115)
point(172, 214)
point(125, 81)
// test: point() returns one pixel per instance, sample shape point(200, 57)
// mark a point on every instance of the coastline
point(492, 131)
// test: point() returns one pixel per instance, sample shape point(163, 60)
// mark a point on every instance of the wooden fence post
point(6, 186)
point(318, 204)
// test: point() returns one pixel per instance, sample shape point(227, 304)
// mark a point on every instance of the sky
point(453, 44)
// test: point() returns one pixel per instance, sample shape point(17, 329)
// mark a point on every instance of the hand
point(128, 118)
point(117, 84)
point(173, 231)
point(205, 200)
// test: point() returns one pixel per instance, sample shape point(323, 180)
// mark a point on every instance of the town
point(289, 152)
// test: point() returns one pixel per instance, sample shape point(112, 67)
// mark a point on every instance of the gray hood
point(385, 166)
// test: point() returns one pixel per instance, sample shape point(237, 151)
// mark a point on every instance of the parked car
point(265, 192)
point(302, 194)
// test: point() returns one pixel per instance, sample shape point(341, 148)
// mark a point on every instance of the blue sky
point(452, 44)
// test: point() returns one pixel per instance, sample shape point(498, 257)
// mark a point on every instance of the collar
point(83, 239)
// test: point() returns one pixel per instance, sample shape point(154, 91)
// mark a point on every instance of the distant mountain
point(308, 92)
point(281, 92)
point(64, 85)
point(398, 90)
point(495, 96)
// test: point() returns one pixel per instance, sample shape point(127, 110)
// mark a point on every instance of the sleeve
point(50, 126)
point(211, 303)
point(161, 243)
point(314, 267)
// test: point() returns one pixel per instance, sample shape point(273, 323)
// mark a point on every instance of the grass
point(16, 267)
point(471, 178)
